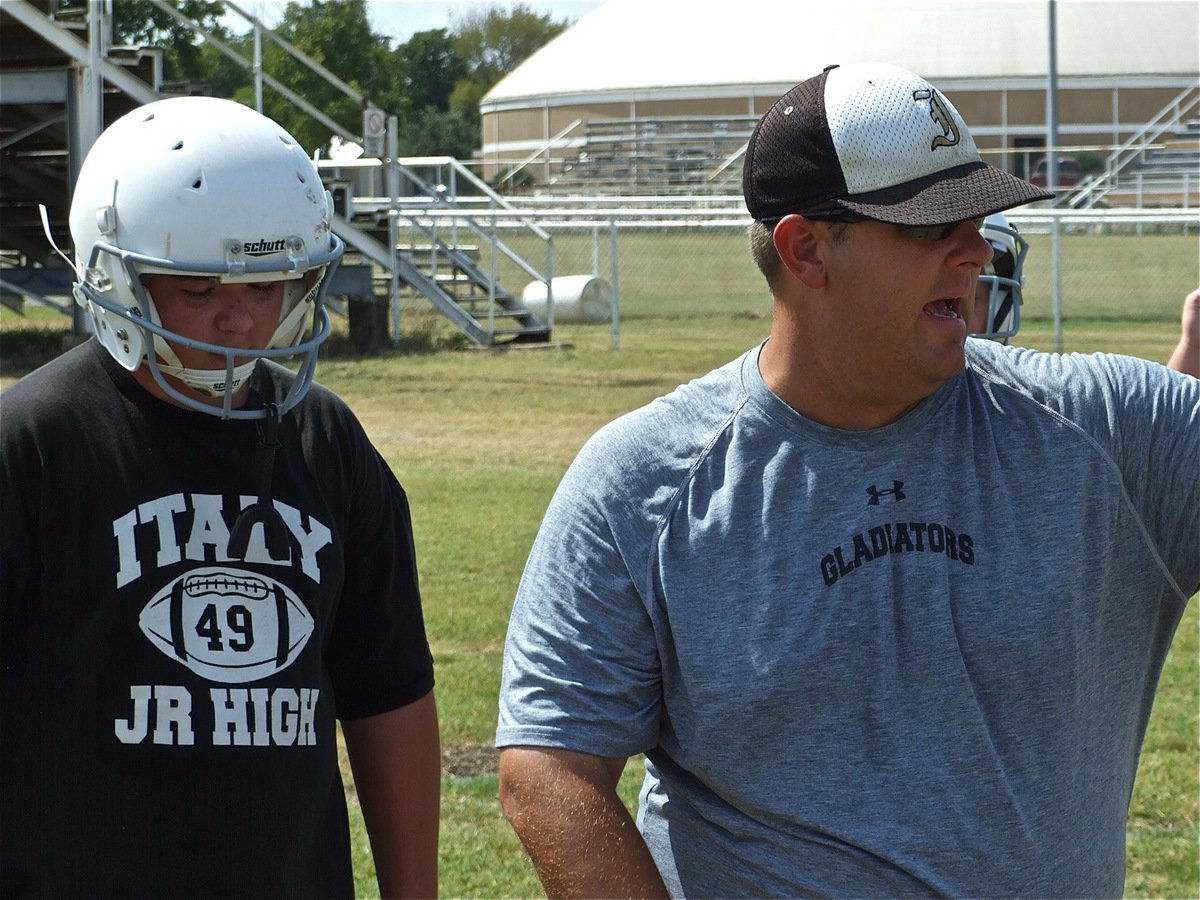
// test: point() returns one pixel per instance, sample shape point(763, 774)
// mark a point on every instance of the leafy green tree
point(434, 132)
point(433, 82)
point(338, 35)
point(467, 94)
point(449, 74)
point(495, 41)
point(432, 66)
point(186, 56)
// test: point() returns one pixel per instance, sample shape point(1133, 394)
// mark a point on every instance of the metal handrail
point(298, 54)
point(1138, 143)
point(442, 199)
point(545, 148)
point(407, 164)
point(290, 95)
point(729, 161)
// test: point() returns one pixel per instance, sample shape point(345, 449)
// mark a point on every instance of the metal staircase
point(1170, 121)
point(52, 72)
point(54, 101)
point(428, 233)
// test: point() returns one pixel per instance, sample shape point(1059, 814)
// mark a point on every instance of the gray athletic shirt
point(918, 659)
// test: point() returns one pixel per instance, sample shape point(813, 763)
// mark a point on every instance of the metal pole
point(258, 66)
point(549, 145)
point(550, 284)
point(1052, 102)
point(91, 94)
point(87, 114)
point(393, 189)
point(1052, 173)
point(1056, 281)
point(491, 318)
point(613, 297)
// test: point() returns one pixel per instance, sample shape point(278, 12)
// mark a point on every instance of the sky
point(401, 19)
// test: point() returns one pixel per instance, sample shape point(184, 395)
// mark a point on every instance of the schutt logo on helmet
point(264, 247)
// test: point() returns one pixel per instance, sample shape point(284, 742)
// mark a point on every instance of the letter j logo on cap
point(942, 117)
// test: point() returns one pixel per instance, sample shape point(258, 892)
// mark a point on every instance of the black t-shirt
point(167, 714)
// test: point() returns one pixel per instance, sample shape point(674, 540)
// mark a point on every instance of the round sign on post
point(374, 129)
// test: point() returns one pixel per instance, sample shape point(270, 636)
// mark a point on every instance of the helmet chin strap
point(211, 382)
point(208, 381)
point(263, 511)
point(298, 300)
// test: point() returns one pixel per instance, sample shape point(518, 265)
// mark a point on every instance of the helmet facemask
point(135, 323)
point(1003, 278)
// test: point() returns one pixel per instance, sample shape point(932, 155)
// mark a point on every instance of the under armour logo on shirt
point(895, 492)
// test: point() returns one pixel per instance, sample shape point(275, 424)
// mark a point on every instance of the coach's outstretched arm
point(1186, 357)
point(579, 835)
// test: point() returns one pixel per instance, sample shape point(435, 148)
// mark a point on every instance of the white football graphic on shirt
point(228, 625)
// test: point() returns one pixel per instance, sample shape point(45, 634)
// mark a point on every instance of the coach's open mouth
point(946, 308)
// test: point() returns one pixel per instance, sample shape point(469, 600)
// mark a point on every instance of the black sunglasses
point(921, 232)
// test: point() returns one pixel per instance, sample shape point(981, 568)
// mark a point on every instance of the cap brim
point(951, 195)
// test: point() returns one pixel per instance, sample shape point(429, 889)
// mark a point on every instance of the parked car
point(1070, 173)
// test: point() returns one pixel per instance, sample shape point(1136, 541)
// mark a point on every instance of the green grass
point(707, 273)
point(481, 439)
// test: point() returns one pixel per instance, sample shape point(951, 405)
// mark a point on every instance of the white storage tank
point(577, 298)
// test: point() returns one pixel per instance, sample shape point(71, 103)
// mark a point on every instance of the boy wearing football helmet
point(205, 564)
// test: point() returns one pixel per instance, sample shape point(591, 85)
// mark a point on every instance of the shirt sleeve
point(1146, 419)
point(378, 655)
point(1157, 427)
point(581, 665)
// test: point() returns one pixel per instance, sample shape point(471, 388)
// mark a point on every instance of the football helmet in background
point(208, 187)
point(1002, 278)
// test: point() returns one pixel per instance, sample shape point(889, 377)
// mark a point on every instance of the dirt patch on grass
point(468, 760)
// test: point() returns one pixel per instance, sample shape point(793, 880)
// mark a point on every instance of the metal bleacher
point(667, 155)
point(61, 82)
point(701, 155)
point(1157, 166)
point(41, 117)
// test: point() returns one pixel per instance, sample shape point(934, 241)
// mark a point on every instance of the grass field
point(480, 441)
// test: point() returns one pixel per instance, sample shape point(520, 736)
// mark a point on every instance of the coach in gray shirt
point(884, 608)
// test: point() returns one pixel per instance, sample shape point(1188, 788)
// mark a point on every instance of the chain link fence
point(675, 259)
point(677, 262)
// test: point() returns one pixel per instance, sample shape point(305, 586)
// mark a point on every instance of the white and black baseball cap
point(876, 139)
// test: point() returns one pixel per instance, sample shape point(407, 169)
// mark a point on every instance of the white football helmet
point(202, 186)
point(1003, 278)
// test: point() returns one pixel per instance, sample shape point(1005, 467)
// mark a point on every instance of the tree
point(434, 132)
point(433, 82)
point(186, 56)
point(449, 74)
point(432, 66)
point(495, 41)
point(489, 43)
point(338, 35)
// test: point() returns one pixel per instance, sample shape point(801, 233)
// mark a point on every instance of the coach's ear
point(798, 242)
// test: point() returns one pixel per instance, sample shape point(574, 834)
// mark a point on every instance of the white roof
point(644, 48)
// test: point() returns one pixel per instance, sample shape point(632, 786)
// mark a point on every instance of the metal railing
point(255, 66)
point(1168, 118)
point(440, 199)
point(545, 149)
